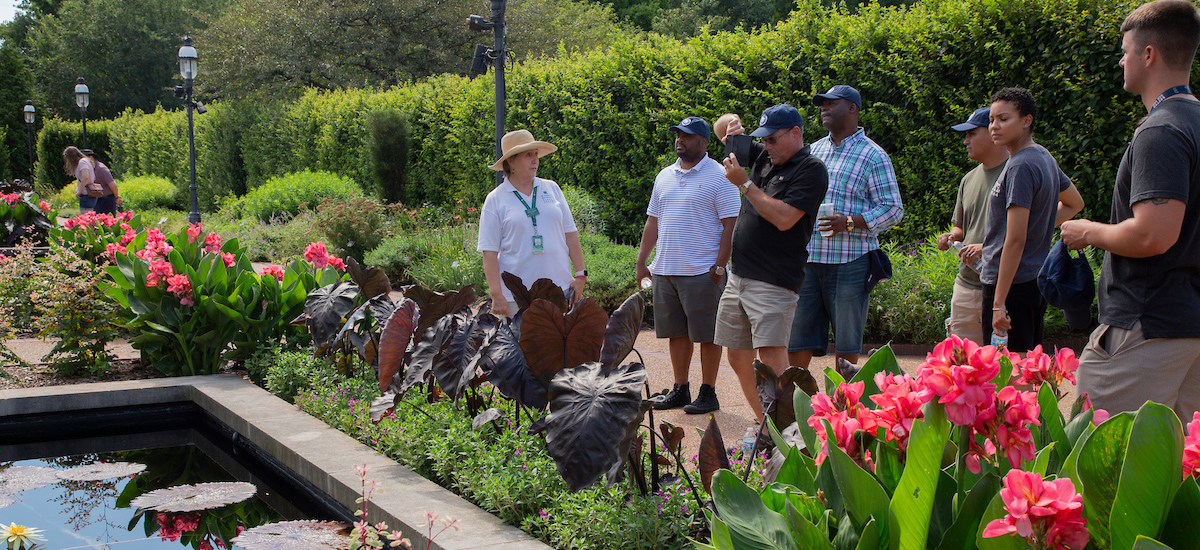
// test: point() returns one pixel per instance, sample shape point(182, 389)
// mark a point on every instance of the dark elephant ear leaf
point(382, 307)
point(382, 405)
point(672, 434)
point(431, 345)
point(504, 365)
point(486, 417)
point(451, 369)
point(444, 304)
point(394, 339)
point(371, 280)
point(547, 290)
point(713, 456)
point(589, 418)
point(553, 341)
point(516, 286)
point(419, 294)
point(326, 307)
point(768, 386)
point(622, 331)
point(785, 409)
point(632, 437)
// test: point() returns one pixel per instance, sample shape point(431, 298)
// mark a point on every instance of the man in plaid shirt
point(865, 200)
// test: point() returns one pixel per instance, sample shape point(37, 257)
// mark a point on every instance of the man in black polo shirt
point(1147, 347)
point(781, 190)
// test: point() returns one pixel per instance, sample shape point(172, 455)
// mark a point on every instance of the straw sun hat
point(517, 142)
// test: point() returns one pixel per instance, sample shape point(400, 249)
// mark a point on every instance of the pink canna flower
point(159, 271)
point(1048, 514)
point(315, 252)
point(273, 271)
point(337, 263)
point(846, 416)
point(125, 216)
point(229, 259)
point(212, 243)
point(959, 372)
point(44, 206)
point(1191, 447)
point(900, 401)
point(111, 250)
point(193, 232)
point(181, 287)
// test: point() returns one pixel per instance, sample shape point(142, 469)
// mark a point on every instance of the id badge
point(537, 244)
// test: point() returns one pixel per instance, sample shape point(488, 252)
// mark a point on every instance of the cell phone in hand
point(739, 145)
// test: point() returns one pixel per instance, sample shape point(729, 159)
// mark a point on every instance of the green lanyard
point(530, 211)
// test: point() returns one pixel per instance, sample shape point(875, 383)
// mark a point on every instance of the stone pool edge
point(322, 455)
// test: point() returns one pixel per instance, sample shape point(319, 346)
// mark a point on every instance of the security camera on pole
point(497, 54)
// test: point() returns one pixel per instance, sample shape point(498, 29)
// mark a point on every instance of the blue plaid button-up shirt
point(861, 181)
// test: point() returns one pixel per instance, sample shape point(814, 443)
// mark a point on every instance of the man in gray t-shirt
point(1031, 196)
point(1147, 347)
point(969, 220)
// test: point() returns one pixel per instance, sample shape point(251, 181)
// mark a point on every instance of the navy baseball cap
point(777, 117)
point(979, 119)
point(693, 125)
point(841, 91)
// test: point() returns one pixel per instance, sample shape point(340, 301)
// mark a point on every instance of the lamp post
point(29, 110)
point(189, 65)
point(498, 55)
point(81, 99)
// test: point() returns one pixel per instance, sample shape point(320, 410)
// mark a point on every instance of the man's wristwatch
point(849, 223)
point(719, 270)
point(745, 187)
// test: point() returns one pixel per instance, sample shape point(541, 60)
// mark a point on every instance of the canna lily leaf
point(589, 417)
point(913, 500)
point(751, 525)
point(713, 455)
point(1179, 530)
point(622, 331)
point(775, 392)
point(503, 363)
point(1147, 543)
point(961, 534)
point(372, 281)
point(806, 533)
point(883, 360)
point(553, 341)
point(326, 307)
point(1097, 464)
point(1149, 476)
point(394, 339)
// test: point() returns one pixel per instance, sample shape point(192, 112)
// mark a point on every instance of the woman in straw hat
point(526, 227)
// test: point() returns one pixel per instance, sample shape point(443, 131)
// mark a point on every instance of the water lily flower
point(19, 535)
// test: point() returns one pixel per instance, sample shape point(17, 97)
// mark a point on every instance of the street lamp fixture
point(29, 112)
point(82, 98)
point(189, 66)
point(496, 54)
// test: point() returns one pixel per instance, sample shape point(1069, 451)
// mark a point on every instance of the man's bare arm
point(1153, 229)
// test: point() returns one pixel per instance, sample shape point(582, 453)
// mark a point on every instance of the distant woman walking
point(526, 227)
point(95, 188)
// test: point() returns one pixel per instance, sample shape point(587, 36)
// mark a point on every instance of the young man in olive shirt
point(1147, 347)
point(781, 190)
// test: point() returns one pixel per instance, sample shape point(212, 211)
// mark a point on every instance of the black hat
point(1067, 283)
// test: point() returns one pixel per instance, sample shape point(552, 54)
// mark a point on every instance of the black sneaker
point(679, 396)
point(705, 402)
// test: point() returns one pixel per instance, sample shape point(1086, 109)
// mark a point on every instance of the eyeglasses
point(774, 138)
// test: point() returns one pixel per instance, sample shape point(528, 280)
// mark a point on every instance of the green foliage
point(146, 192)
point(286, 196)
point(18, 272)
point(72, 311)
point(507, 472)
point(587, 211)
point(17, 89)
point(278, 240)
point(288, 373)
point(354, 226)
point(610, 270)
point(913, 305)
point(388, 144)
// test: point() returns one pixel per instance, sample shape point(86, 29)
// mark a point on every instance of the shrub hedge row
point(920, 69)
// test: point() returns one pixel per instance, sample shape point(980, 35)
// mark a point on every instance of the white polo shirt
point(504, 228)
point(690, 205)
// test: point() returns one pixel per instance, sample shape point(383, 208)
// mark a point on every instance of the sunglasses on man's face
point(773, 138)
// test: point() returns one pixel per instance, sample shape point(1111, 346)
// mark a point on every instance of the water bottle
point(972, 264)
point(826, 209)
point(1000, 339)
point(748, 441)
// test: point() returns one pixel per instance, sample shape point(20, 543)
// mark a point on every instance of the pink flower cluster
point(156, 248)
point(173, 526)
point(273, 271)
point(92, 219)
point(178, 285)
point(320, 257)
point(1048, 514)
point(12, 199)
point(846, 415)
point(1191, 447)
point(900, 399)
point(44, 206)
point(1039, 368)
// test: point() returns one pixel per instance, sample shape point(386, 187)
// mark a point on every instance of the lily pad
point(296, 535)
point(191, 498)
point(101, 471)
point(5, 500)
point(24, 478)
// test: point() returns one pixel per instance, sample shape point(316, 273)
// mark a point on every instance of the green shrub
point(587, 211)
point(148, 192)
point(278, 240)
point(65, 198)
point(388, 146)
point(354, 226)
point(397, 255)
point(55, 136)
point(913, 305)
point(610, 270)
point(283, 196)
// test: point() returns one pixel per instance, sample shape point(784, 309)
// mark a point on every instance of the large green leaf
point(806, 533)
point(862, 495)
point(802, 405)
point(1142, 542)
point(751, 524)
point(961, 534)
point(1052, 421)
point(1149, 476)
point(1098, 465)
point(1179, 532)
point(794, 472)
point(913, 501)
point(869, 539)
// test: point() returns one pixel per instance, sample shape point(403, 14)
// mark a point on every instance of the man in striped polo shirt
point(865, 200)
point(689, 224)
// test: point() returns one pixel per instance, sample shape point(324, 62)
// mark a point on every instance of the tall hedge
point(55, 136)
point(920, 69)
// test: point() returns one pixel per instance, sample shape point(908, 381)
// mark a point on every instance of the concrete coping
point(317, 453)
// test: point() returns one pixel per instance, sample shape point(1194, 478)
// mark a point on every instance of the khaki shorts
point(753, 314)
point(966, 308)
point(1128, 370)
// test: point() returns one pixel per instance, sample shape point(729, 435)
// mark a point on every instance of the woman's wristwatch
point(581, 273)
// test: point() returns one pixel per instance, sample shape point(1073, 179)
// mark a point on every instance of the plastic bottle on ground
point(748, 441)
